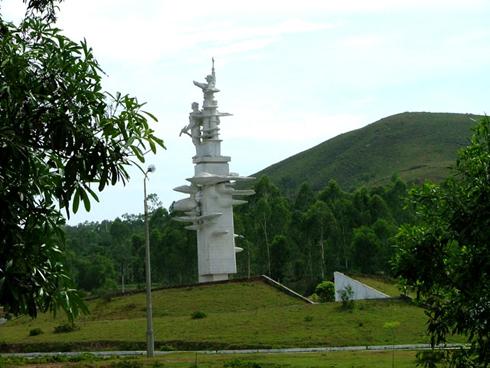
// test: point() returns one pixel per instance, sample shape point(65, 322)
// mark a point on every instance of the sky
point(293, 73)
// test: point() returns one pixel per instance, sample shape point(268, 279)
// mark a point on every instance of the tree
point(279, 257)
point(325, 291)
point(319, 220)
point(121, 248)
point(61, 137)
point(445, 256)
point(95, 272)
point(366, 249)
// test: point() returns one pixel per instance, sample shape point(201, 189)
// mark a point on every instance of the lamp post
point(150, 339)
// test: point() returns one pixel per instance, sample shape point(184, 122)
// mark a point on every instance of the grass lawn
point(238, 315)
point(383, 284)
point(363, 359)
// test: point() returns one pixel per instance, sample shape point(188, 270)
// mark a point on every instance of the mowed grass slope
point(239, 315)
point(383, 284)
point(418, 146)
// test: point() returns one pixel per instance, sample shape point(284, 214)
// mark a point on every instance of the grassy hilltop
point(418, 146)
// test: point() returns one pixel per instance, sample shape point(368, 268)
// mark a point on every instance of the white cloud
point(147, 36)
point(268, 123)
point(293, 73)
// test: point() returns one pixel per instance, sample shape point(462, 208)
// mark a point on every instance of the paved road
point(246, 351)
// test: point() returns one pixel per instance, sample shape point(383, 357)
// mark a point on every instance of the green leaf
point(92, 193)
point(76, 201)
point(86, 200)
point(153, 147)
point(159, 141)
point(150, 115)
point(103, 179)
point(138, 153)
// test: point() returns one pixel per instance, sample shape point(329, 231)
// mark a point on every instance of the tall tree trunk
point(264, 226)
point(344, 250)
point(322, 256)
point(122, 279)
point(310, 263)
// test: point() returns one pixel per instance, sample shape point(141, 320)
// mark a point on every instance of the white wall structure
point(361, 290)
point(209, 208)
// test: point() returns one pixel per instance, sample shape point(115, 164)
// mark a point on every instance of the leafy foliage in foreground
point(61, 137)
point(445, 255)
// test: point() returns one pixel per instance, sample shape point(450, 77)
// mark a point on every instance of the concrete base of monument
point(214, 277)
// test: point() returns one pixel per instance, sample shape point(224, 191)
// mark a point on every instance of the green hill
point(239, 314)
point(417, 146)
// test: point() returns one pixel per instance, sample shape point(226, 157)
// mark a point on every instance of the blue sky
point(294, 74)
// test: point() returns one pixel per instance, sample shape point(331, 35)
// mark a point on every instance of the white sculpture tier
point(209, 208)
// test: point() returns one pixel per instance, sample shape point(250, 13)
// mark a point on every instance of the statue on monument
point(209, 207)
point(211, 82)
point(194, 125)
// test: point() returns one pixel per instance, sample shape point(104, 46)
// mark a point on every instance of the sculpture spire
point(209, 207)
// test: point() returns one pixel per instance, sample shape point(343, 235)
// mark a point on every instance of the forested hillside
point(340, 217)
point(418, 146)
point(297, 241)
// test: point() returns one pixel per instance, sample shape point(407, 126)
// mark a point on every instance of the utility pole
point(150, 338)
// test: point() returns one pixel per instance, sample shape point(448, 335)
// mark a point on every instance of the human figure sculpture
point(194, 125)
point(211, 82)
point(210, 85)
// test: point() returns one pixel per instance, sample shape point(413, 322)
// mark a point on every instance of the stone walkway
point(246, 351)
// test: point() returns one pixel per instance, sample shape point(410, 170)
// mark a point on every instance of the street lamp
point(150, 339)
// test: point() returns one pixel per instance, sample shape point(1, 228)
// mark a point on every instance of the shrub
point(346, 296)
point(35, 332)
point(429, 358)
point(157, 364)
point(67, 327)
point(126, 363)
point(239, 363)
point(166, 348)
point(314, 298)
point(308, 318)
point(198, 315)
point(325, 291)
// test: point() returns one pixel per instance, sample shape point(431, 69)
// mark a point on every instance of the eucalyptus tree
point(319, 222)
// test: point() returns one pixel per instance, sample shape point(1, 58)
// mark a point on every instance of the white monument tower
point(209, 207)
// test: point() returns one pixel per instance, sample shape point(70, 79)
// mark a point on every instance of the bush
point(67, 327)
point(198, 315)
point(308, 318)
point(429, 358)
point(346, 296)
point(325, 291)
point(314, 298)
point(166, 348)
point(35, 332)
point(126, 363)
point(157, 364)
point(239, 363)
